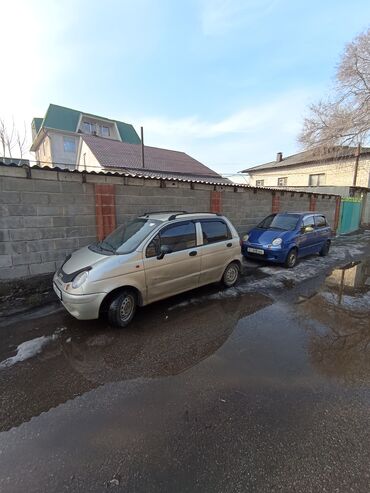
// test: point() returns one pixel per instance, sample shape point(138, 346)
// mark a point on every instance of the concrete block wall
point(46, 214)
point(42, 220)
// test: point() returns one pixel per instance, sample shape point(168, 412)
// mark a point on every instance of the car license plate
point(57, 291)
point(255, 250)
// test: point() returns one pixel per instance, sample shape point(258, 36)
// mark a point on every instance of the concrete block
point(42, 268)
point(49, 210)
point(13, 171)
point(104, 179)
point(18, 184)
point(65, 244)
point(35, 198)
point(48, 233)
point(26, 258)
point(5, 260)
point(84, 220)
point(78, 209)
point(23, 210)
point(87, 240)
point(25, 234)
point(7, 197)
point(11, 222)
point(40, 245)
point(53, 256)
point(13, 247)
point(62, 221)
point(4, 235)
point(51, 186)
point(78, 231)
point(44, 174)
point(61, 199)
point(15, 272)
point(68, 176)
point(38, 222)
point(68, 188)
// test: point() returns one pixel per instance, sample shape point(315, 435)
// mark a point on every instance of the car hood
point(266, 236)
point(84, 257)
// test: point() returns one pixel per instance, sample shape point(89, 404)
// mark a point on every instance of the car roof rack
point(164, 212)
point(171, 218)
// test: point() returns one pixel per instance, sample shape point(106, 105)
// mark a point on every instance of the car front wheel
point(231, 275)
point(291, 259)
point(122, 309)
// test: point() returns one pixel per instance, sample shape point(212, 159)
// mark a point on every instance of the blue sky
point(226, 81)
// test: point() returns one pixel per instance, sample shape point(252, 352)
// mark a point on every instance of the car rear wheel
point(291, 258)
point(122, 308)
point(231, 275)
point(325, 249)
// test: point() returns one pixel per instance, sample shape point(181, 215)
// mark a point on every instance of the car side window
point(320, 222)
point(176, 237)
point(308, 221)
point(215, 231)
point(152, 249)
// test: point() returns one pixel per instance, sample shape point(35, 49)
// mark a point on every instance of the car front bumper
point(80, 306)
point(270, 254)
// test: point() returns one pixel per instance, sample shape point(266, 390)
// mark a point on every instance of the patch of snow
point(27, 350)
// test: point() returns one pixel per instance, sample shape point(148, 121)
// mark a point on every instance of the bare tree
point(344, 117)
point(12, 140)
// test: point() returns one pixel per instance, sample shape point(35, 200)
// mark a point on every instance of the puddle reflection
point(84, 356)
point(338, 321)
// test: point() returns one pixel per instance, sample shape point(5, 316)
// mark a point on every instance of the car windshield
point(283, 222)
point(127, 238)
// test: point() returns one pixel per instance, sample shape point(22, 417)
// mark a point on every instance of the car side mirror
point(164, 250)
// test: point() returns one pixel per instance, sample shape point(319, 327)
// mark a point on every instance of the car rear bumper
point(80, 306)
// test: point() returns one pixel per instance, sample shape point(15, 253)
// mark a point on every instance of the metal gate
point(350, 216)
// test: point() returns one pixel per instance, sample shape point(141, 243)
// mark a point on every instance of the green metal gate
point(350, 216)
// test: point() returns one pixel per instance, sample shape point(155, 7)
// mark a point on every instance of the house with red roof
point(72, 139)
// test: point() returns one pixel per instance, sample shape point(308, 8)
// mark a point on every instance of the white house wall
point(86, 159)
point(338, 173)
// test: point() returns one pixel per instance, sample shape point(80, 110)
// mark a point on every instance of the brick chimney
point(279, 157)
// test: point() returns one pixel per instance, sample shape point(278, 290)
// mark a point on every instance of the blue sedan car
point(285, 237)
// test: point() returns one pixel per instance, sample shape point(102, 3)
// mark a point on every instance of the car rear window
point(214, 231)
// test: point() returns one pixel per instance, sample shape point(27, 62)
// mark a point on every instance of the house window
point(104, 131)
point(69, 144)
point(88, 127)
point(316, 180)
point(260, 183)
point(283, 182)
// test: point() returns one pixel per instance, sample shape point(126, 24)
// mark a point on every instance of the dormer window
point(104, 131)
point(88, 127)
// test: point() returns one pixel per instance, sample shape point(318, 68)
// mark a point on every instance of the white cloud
point(251, 135)
point(221, 16)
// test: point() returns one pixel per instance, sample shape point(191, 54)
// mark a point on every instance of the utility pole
point(358, 152)
point(142, 147)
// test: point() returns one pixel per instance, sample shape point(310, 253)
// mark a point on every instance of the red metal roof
point(115, 154)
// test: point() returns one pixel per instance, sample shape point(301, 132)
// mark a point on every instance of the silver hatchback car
point(157, 255)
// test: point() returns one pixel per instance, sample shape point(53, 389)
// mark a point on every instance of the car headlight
point(277, 241)
point(79, 279)
point(245, 238)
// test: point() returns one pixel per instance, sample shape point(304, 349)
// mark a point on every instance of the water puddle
point(338, 322)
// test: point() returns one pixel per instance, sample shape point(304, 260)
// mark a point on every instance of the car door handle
point(193, 253)
point(229, 245)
